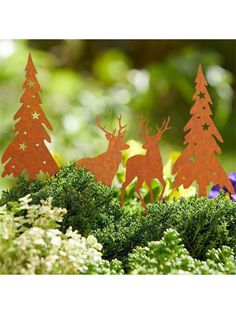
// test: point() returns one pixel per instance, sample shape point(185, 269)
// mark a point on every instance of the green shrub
point(72, 188)
point(222, 260)
point(92, 208)
point(169, 256)
point(202, 223)
point(30, 243)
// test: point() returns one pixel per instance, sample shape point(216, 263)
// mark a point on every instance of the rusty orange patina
point(27, 151)
point(105, 166)
point(146, 167)
point(198, 161)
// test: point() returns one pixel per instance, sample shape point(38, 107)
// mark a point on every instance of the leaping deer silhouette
point(105, 166)
point(146, 167)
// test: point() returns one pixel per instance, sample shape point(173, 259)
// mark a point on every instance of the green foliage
point(21, 187)
point(88, 204)
point(111, 66)
point(222, 260)
point(92, 208)
point(30, 243)
point(202, 223)
point(169, 256)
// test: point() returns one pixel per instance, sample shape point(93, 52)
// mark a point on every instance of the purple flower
point(216, 188)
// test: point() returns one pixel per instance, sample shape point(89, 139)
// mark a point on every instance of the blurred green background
point(84, 78)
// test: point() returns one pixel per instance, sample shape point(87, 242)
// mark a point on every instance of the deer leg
point(137, 187)
point(124, 186)
point(163, 183)
point(149, 184)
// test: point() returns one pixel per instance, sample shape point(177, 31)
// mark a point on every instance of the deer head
point(115, 139)
point(150, 141)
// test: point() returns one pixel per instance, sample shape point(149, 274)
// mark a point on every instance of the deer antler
point(144, 127)
point(164, 126)
point(121, 127)
point(103, 128)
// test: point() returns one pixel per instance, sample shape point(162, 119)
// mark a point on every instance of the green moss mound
point(93, 209)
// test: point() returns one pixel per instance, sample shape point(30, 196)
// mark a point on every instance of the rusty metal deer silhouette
point(105, 166)
point(146, 167)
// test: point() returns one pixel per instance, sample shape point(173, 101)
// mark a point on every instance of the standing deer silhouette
point(105, 166)
point(146, 167)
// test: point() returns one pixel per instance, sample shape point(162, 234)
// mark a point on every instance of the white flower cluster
point(31, 243)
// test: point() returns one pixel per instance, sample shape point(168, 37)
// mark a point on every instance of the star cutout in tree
point(35, 115)
point(201, 95)
point(205, 127)
point(22, 146)
point(31, 84)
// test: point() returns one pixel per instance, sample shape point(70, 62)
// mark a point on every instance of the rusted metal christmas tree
point(28, 150)
point(198, 162)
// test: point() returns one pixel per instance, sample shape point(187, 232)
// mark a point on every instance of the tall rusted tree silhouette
point(146, 167)
point(28, 150)
point(105, 166)
point(198, 161)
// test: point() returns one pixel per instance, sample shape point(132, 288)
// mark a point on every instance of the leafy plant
point(92, 208)
point(72, 188)
point(169, 256)
point(30, 243)
point(202, 223)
